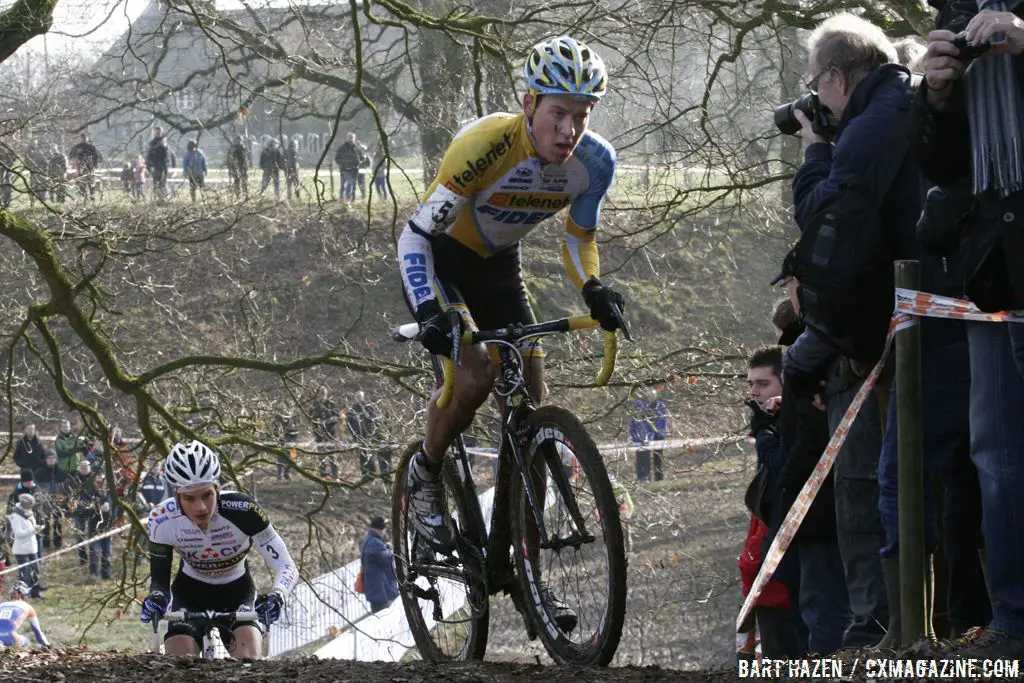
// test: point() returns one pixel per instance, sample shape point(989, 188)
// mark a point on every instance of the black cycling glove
point(600, 300)
point(435, 328)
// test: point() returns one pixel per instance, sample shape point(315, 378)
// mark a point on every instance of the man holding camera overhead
point(967, 123)
point(859, 86)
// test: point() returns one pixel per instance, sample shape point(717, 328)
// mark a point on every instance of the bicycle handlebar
point(237, 615)
point(410, 331)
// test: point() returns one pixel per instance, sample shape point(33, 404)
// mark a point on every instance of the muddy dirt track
point(65, 666)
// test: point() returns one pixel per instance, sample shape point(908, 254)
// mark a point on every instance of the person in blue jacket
point(647, 426)
point(379, 583)
point(194, 167)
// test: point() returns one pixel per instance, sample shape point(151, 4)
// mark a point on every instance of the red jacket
point(775, 593)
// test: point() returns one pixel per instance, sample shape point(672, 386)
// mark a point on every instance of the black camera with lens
point(820, 117)
point(969, 51)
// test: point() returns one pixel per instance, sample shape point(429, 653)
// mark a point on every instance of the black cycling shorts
point(488, 292)
point(193, 595)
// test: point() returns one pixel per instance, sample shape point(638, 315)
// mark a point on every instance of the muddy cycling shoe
point(563, 615)
point(426, 503)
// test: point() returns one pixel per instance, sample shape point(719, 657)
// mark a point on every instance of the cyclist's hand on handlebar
point(269, 607)
point(435, 328)
point(153, 607)
point(602, 302)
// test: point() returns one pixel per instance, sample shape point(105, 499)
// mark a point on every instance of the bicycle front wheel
point(583, 564)
point(444, 596)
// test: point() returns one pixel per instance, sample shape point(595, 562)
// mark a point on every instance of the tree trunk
point(445, 68)
point(791, 86)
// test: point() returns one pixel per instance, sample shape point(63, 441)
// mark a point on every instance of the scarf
point(995, 109)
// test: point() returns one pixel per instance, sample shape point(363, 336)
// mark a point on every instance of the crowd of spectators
point(55, 176)
point(951, 196)
point(62, 487)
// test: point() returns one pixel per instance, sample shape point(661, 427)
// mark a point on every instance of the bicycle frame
point(517, 406)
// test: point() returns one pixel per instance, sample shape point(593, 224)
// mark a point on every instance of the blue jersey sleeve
point(598, 157)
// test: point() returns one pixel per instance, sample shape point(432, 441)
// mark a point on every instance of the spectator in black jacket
point(98, 510)
point(154, 487)
point(78, 486)
point(966, 124)
point(362, 419)
point(782, 633)
point(28, 452)
point(57, 172)
point(325, 430)
point(158, 161)
point(86, 158)
point(238, 168)
point(291, 168)
point(349, 159)
point(272, 163)
point(51, 488)
point(802, 434)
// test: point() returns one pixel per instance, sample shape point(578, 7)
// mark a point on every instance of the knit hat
point(378, 523)
point(26, 500)
point(26, 475)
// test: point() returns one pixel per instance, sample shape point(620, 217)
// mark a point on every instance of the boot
point(891, 573)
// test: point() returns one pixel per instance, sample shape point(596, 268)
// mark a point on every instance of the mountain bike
point(555, 518)
point(209, 620)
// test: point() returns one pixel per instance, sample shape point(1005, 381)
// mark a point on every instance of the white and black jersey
point(217, 554)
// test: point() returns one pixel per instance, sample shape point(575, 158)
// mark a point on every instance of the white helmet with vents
point(564, 66)
point(190, 466)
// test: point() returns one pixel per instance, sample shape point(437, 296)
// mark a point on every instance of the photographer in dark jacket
point(967, 123)
point(852, 68)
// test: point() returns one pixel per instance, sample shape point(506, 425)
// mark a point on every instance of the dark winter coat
point(158, 156)
point(28, 453)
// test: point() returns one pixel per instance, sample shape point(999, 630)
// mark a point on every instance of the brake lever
point(621, 321)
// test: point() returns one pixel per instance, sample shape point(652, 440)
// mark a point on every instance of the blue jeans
point(945, 383)
point(348, 184)
point(824, 603)
point(997, 448)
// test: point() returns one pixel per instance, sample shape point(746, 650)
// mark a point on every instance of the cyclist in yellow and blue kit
point(501, 176)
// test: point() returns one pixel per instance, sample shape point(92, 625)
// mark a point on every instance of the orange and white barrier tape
point(910, 305)
point(68, 549)
point(922, 304)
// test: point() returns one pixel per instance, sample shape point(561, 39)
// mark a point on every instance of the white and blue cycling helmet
point(565, 66)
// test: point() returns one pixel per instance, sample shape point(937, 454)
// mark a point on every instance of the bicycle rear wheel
point(445, 597)
point(585, 565)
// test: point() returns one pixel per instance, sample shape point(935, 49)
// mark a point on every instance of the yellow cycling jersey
point(492, 189)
